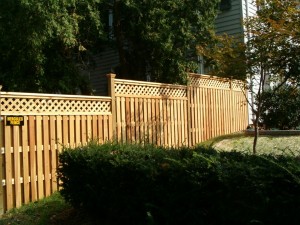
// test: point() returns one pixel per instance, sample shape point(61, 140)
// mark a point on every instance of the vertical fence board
point(53, 147)
point(89, 127)
point(2, 167)
point(65, 130)
point(123, 116)
point(141, 120)
point(161, 123)
point(105, 128)
point(8, 168)
point(118, 119)
point(39, 154)
point(83, 130)
point(72, 131)
point(25, 152)
point(132, 120)
point(46, 145)
point(145, 116)
point(16, 163)
point(32, 146)
point(100, 129)
point(109, 127)
point(94, 127)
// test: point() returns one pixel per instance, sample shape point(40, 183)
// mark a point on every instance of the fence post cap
point(111, 75)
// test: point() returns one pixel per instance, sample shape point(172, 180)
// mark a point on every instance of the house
point(229, 21)
point(230, 18)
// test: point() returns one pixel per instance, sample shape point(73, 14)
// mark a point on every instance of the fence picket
point(32, 154)
point(17, 164)
point(46, 155)
point(25, 152)
point(8, 168)
point(53, 147)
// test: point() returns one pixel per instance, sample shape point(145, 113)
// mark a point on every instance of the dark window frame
point(225, 5)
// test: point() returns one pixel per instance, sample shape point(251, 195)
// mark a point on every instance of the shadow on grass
point(52, 210)
point(213, 141)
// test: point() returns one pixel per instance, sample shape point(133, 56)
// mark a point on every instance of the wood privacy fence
point(162, 114)
point(176, 115)
point(29, 152)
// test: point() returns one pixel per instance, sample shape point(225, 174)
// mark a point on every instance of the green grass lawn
point(266, 144)
point(52, 210)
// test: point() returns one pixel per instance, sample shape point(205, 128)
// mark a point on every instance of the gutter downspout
point(251, 78)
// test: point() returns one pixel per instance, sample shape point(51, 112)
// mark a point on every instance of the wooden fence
point(139, 112)
point(29, 152)
point(176, 115)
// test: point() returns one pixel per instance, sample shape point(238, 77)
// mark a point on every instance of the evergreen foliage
point(281, 109)
point(132, 184)
point(43, 44)
point(159, 38)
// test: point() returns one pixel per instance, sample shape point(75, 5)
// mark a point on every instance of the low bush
point(281, 108)
point(131, 184)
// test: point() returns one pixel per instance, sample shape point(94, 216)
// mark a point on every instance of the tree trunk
point(256, 133)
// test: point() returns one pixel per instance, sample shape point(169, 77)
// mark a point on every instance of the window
point(225, 5)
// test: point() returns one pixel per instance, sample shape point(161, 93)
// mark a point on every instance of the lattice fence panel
point(209, 82)
point(238, 85)
point(135, 89)
point(51, 105)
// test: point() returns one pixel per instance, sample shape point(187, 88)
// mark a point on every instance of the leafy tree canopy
point(159, 38)
point(43, 43)
point(225, 56)
point(274, 44)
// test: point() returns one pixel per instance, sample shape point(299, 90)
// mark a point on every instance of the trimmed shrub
point(281, 109)
point(131, 184)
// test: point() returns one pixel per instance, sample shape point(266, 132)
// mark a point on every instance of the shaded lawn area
point(52, 210)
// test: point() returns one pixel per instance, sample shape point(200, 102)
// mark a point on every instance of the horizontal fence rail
point(29, 152)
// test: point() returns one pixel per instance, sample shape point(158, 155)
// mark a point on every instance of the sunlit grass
point(266, 144)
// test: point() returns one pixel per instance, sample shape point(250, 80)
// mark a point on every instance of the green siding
point(231, 21)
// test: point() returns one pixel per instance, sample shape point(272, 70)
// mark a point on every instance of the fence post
point(111, 92)
point(231, 107)
point(189, 111)
point(2, 164)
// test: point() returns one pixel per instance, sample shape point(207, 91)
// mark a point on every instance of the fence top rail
point(149, 89)
point(223, 79)
point(208, 81)
point(150, 84)
point(52, 96)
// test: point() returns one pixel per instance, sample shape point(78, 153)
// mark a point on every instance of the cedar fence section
point(217, 106)
point(151, 112)
point(29, 153)
point(177, 115)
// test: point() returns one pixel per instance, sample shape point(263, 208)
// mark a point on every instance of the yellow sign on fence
point(14, 120)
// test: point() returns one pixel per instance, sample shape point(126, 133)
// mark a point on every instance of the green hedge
point(131, 184)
